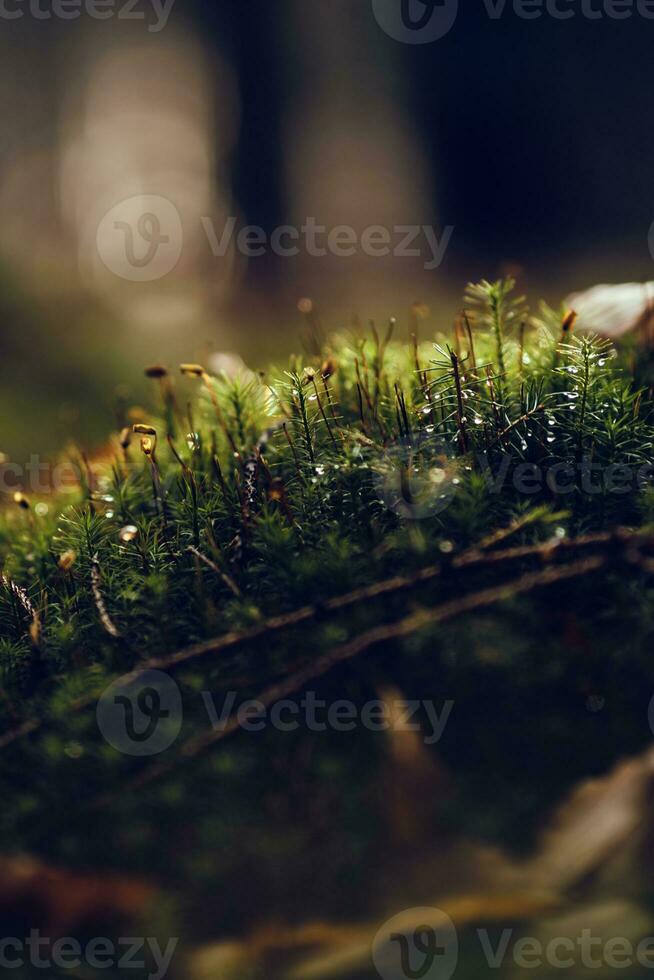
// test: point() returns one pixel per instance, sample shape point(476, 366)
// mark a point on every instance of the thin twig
point(227, 579)
point(17, 733)
point(20, 594)
point(26, 604)
point(406, 627)
point(98, 598)
point(497, 537)
point(509, 429)
point(471, 560)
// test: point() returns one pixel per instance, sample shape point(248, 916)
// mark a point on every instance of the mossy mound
point(459, 520)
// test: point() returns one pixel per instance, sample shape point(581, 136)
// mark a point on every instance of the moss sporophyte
point(377, 513)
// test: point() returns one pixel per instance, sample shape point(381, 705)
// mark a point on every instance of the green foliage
point(269, 495)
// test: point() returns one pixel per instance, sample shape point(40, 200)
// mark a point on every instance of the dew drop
point(128, 533)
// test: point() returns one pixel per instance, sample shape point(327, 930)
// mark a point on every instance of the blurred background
point(529, 138)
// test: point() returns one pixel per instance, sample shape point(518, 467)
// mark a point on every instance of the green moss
point(376, 460)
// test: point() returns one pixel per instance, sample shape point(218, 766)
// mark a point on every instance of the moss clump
point(468, 516)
